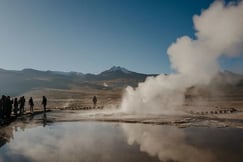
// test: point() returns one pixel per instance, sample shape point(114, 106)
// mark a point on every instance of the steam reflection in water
point(189, 144)
point(97, 141)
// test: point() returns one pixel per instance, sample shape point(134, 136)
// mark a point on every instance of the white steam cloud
point(219, 31)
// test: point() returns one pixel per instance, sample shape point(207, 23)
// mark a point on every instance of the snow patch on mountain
point(118, 68)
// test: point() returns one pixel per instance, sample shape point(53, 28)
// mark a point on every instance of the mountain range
point(13, 82)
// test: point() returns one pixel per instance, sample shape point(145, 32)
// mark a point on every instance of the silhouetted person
point(21, 104)
point(16, 104)
point(1, 108)
point(4, 108)
point(9, 106)
point(95, 101)
point(44, 103)
point(31, 103)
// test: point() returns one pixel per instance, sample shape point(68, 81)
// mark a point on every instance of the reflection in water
point(72, 142)
point(6, 134)
point(187, 145)
point(44, 119)
point(167, 143)
point(96, 141)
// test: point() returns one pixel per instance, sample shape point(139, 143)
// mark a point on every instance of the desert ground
point(223, 107)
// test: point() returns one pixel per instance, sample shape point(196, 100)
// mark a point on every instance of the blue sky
point(92, 35)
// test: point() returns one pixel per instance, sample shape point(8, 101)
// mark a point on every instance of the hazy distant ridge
point(15, 82)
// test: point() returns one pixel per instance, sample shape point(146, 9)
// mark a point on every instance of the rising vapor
point(219, 31)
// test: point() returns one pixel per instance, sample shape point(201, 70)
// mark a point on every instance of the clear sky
point(92, 35)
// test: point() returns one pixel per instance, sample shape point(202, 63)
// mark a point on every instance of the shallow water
point(101, 141)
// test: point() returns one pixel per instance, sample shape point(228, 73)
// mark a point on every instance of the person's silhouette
point(16, 104)
point(31, 103)
point(94, 101)
point(23, 100)
point(44, 103)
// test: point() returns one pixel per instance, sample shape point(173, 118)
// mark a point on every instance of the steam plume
point(219, 31)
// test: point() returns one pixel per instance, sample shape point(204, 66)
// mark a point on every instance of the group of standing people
point(8, 105)
point(17, 106)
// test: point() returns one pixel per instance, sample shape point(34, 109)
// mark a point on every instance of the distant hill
point(17, 82)
point(117, 72)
